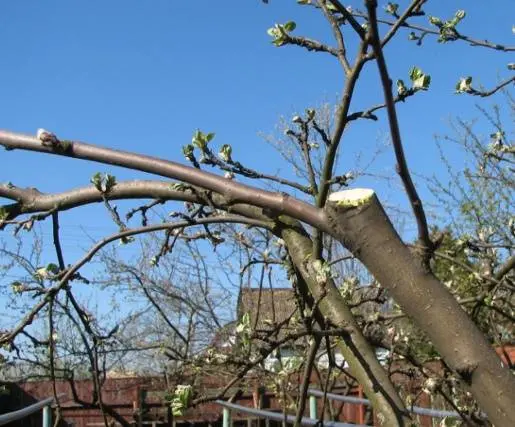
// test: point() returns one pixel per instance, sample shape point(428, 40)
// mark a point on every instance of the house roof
point(268, 306)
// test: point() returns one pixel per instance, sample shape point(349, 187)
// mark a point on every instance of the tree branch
point(402, 166)
point(233, 192)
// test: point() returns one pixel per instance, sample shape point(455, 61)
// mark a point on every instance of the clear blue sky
point(143, 75)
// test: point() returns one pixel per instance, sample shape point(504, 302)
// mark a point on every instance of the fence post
point(227, 418)
point(313, 407)
point(47, 416)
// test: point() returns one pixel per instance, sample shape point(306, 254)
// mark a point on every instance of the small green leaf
point(391, 8)
point(181, 399)
point(464, 85)
point(415, 73)
point(96, 180)
point(435, 21)
point(200, 140)
point(279, 32)
point(273, 32)
point(460, 14)
point(110, 182)
point(289, 26)
point(41, 273)
point(103, 183)
point(3, 214)
point(210, 136)
point(17, 287)
point(332, 7)
point(187, 150)
point(401, 88)
point(420, 81)
point(126, 240)
point(179, 186)
point(52, 268)
point(225, 153)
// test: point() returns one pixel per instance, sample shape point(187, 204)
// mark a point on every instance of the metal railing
point(274, 416)
point(313, 419)
point(29, 410)
point(436, 413)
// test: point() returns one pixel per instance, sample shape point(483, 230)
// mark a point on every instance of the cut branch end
point(352, 198)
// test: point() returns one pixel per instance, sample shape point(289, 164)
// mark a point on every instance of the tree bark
point(361, 224)
point(357, 352)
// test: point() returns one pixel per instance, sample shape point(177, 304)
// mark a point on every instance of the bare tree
point(355, 218)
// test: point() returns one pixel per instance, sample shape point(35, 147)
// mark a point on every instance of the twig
point(401, 20)
point(306, 380)
point(341, 53)
point(484, 94)
point(425, 30)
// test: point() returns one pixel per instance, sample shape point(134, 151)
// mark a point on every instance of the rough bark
point(356, 350)
point(362, 225)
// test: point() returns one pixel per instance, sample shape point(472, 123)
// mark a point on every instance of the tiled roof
point(268, 306)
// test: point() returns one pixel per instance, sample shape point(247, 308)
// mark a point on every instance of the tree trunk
point(360, 223)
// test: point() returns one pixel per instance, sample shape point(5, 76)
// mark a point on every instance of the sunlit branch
point(337, 32)
point(233, 192)
point(484, 94)
point(402, 166)
point(415, 4)
point(430, 31)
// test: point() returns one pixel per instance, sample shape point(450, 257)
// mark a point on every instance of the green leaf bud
point(3, 214)
point(110, 182)
point(464, 85)
point(391, 8)
point(225, 153)
point(460, 14)
point(435, 21)
point(96, 180)
point(401, 88)
point(289, 26)
point(187, 150)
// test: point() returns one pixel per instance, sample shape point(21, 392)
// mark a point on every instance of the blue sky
point(143, 75)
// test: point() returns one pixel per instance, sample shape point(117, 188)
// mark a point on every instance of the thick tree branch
point(233, 192)
point(367, 232)
point(402, 166)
